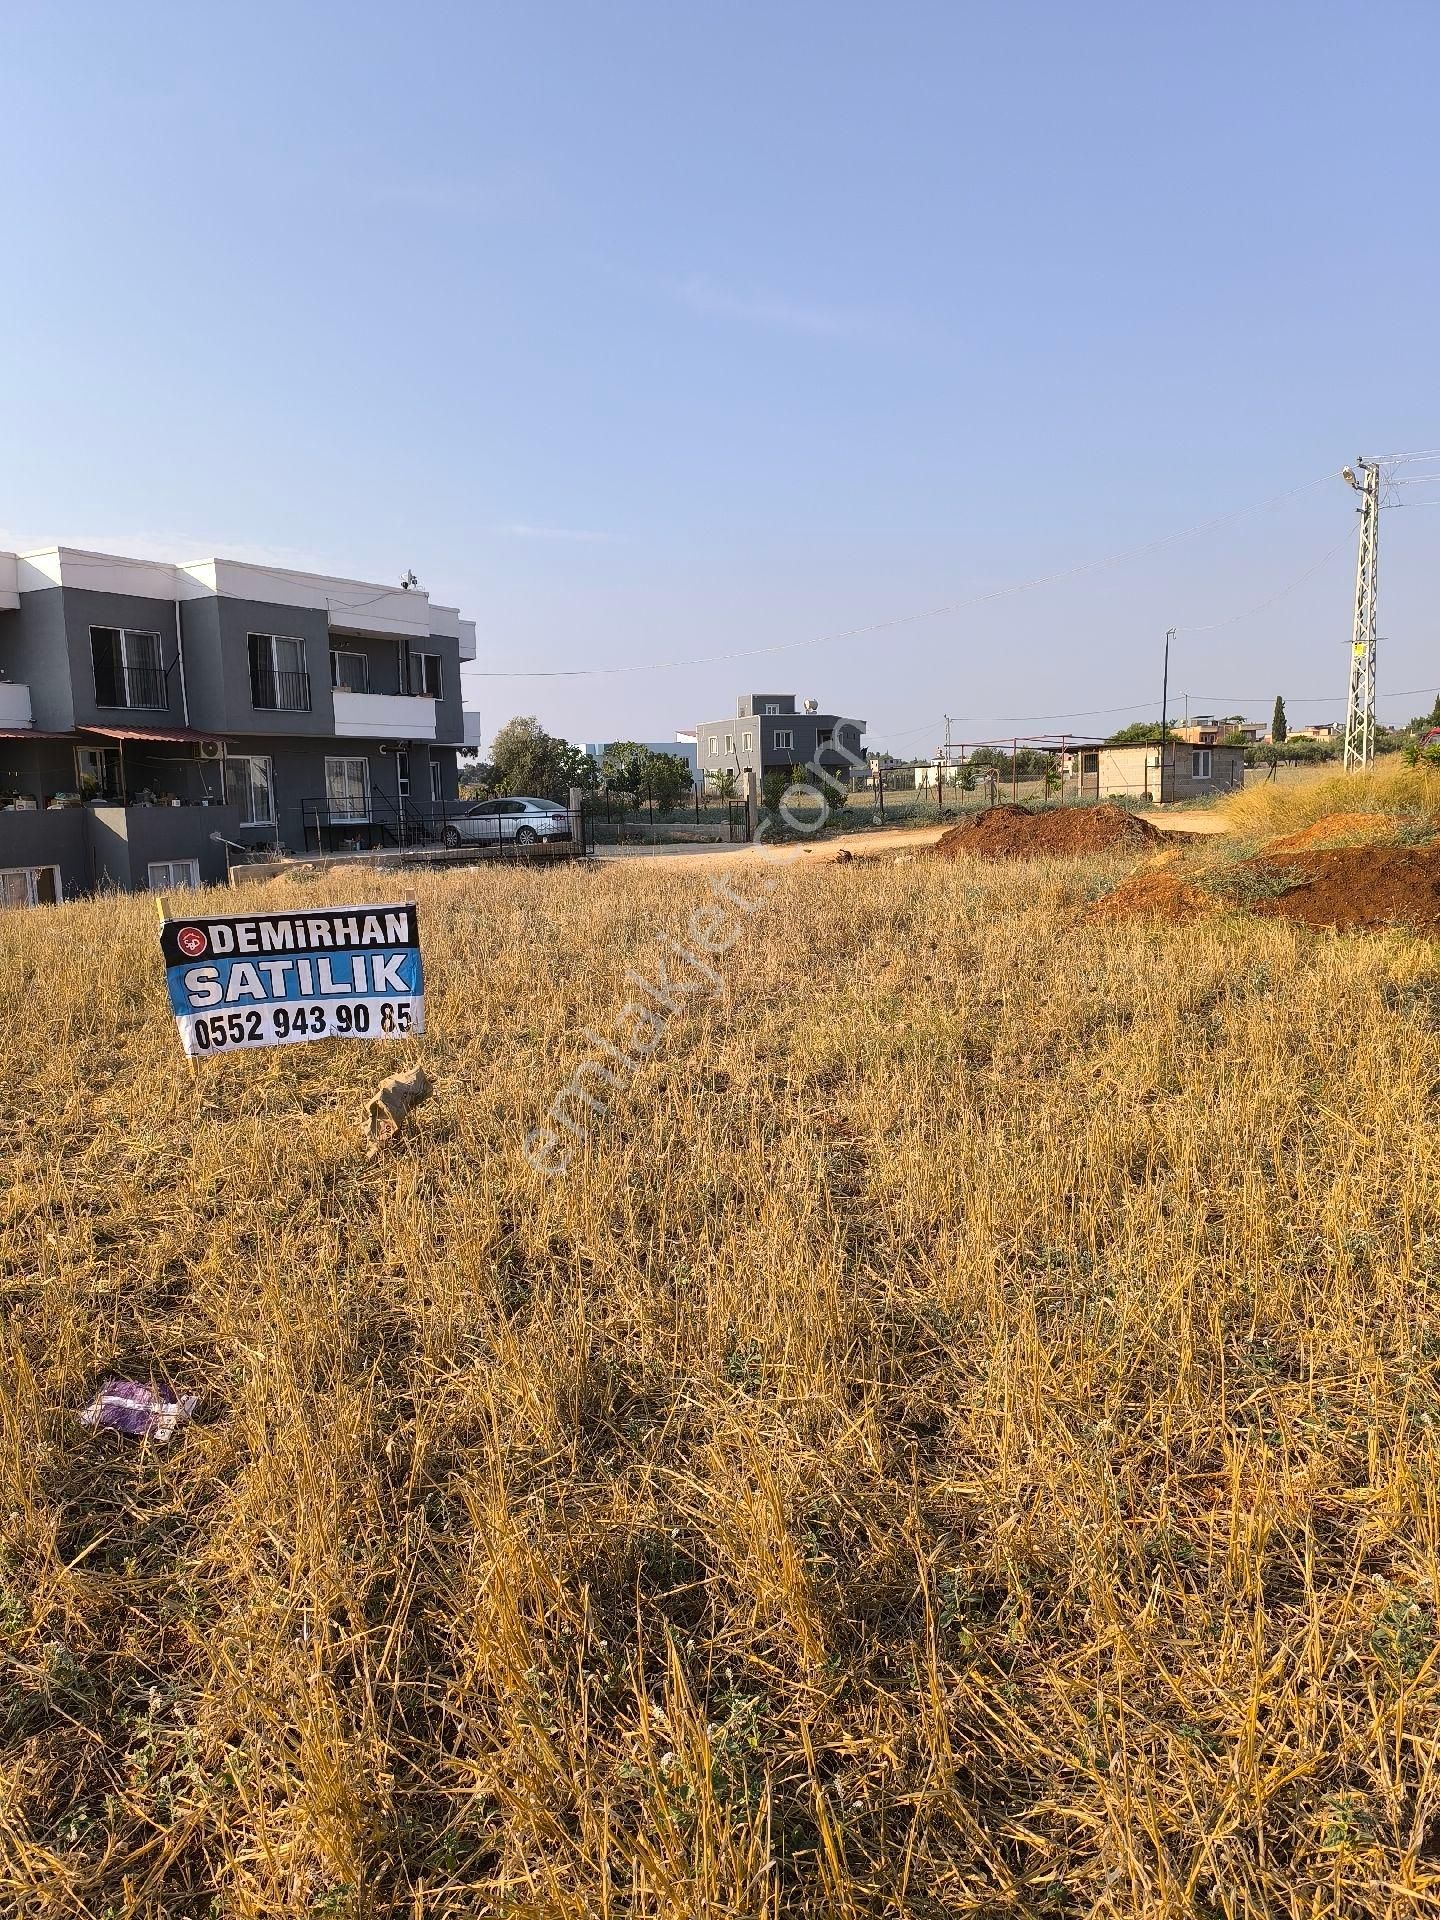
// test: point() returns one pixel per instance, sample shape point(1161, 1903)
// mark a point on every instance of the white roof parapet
point(352, 606)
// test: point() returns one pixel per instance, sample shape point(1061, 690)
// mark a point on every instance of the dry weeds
point(963, 1439)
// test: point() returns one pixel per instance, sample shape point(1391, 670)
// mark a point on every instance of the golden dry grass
point(1389, 786)
point(962, 1439)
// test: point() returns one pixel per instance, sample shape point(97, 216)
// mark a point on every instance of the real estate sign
point(274, 979)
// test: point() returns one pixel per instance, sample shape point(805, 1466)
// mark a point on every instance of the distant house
point(1209, 733)
point(1322, 730)
point(768, 731)
point(1189, 772)
point(682, 748)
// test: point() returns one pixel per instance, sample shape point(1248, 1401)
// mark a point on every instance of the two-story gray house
point(768, 732)
point(147, 708)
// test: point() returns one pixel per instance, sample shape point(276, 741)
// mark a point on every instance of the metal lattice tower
point(1360, 711)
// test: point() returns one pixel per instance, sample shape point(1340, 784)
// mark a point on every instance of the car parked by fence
point(520, 820)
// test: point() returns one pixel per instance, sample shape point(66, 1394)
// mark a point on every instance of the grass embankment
point(962, 1439)
point(1410, 794)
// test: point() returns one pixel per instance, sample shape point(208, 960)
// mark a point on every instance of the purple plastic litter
point(129, 1406)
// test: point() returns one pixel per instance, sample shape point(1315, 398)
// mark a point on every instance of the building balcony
point(383, 716)
point(14, 705)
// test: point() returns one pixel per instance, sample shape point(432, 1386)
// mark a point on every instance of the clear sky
point(654, 331)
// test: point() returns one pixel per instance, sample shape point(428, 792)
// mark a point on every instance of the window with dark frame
point(425, 674)
point(278, 680)
point(127, 667)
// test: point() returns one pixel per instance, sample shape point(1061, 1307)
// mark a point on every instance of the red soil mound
point(1366, 827)
point(1157, 894)
point(1015, 833)
point(1354, 887)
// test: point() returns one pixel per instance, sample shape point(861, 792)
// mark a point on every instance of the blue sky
point(651, 332)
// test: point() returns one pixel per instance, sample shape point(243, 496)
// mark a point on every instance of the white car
point(521, 820)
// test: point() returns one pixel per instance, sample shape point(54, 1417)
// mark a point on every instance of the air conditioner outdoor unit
point(211, 750)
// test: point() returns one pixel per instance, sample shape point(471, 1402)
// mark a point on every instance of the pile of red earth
point(1352, 887)
point(1358, 828)
point(1015, 833)
point(1156, 893)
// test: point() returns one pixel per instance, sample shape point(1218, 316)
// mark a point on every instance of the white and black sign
point(272, 979)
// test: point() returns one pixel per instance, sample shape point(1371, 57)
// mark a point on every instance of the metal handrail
point(273, 692)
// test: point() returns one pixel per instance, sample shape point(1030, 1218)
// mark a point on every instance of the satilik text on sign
point(275, 979)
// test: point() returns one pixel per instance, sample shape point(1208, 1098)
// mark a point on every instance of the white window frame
point(729, 743)
point(290, 640)
point(772, 707)
point(1200, 763)
point(348, 760)
point(427, 668)
point(161, 876)
point(714, 743)
point(437, 782)
point(234, 759)
point(337, 654)
point(747, 741)
point(784, 740)
point(157, 665)
point(30, 875)
point(402, 772)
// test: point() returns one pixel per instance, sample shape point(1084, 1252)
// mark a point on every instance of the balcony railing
point(131, 687)
point(275, 692)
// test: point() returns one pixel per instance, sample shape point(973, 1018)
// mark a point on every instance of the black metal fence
point(494, 829)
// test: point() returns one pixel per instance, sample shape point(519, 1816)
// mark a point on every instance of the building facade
point(151, 713)
point(769, 732)
point(1188, 772)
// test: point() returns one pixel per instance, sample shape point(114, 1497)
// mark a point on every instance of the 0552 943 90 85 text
point(267, 980)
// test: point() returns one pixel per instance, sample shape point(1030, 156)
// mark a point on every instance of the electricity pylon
point(1360, 710)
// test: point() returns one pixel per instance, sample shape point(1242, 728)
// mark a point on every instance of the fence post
point(577, 817)
point(752, 808)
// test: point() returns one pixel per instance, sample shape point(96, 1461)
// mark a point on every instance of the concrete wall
point(1134, 773)
point(236, 621)
point(57, 839)
point(450, 707)
point(84, 610)
point(33, 650)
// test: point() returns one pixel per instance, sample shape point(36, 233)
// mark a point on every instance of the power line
point(907, 619)
point(1231, 619)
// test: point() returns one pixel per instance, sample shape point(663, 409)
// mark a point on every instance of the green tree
point(524, 758)
point(725, 783)
point(665, 779)
point(773, 785)
point(1139, 733)
point(622, 767)
point(1279, 725)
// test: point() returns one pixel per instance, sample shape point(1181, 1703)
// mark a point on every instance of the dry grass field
point(961, 1438)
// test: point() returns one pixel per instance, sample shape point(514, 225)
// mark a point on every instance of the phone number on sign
point(307, 1020)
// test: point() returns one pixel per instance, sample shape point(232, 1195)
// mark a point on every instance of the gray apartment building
point(148, 707)
point(769, 732)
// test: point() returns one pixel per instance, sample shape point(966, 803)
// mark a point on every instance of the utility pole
point(1165, 708)
point(1360, 708)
